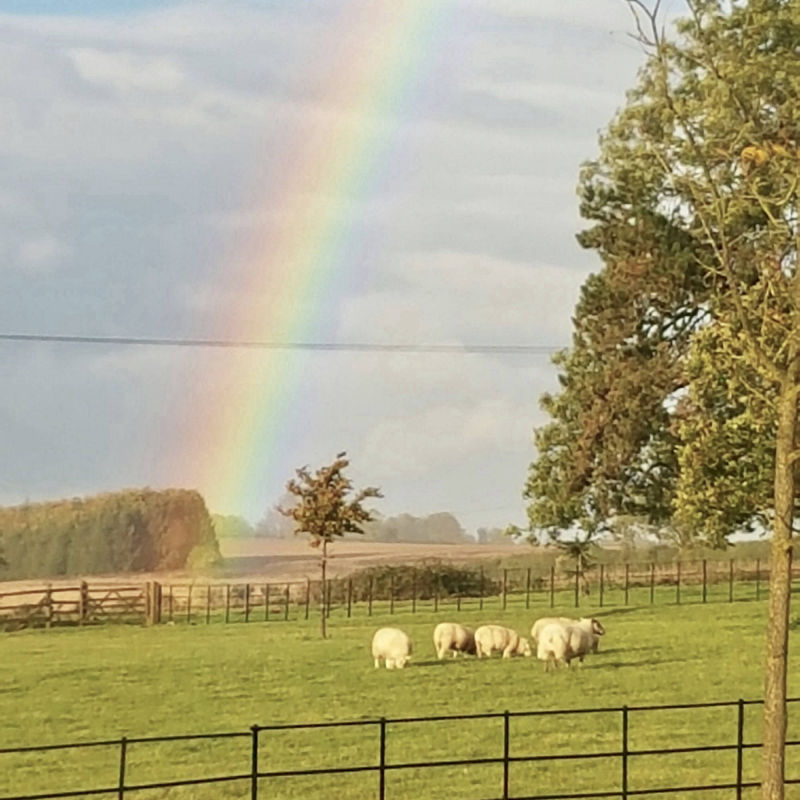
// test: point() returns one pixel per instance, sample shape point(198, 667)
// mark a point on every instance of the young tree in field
point(325, 507)
point(679, 397)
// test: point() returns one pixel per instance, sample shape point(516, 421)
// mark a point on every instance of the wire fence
point(517, 762)
point(395, 590)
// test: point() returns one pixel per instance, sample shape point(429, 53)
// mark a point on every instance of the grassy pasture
point(101, 683)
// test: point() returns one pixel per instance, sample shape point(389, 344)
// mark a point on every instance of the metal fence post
point(189, 604)
point(414, 590)
point(506, 748)
point(730, 581)
point(247, 602)
point(391, 593)
point(652, 582)
point(705, 579)
point(739, 749)
point(482, 589)
point(601, 585)
point(577, 582)
point(266, 603)
point(123, 749)
point(208, 604)
point(371, 584)
point(382, 762)
point(227, 602)
point(349, 596)
point(308, 595)
point(627, 581)
point(254, 764)
point(624, 793)
point(286, 604)
point(528, 588)
point(552, 585)
point(678, 585)
point(758, 579)
point(505, 587)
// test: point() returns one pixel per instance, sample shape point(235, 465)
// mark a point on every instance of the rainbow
point(293, 275)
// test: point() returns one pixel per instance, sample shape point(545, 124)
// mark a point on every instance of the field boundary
point(257, 779)
point(605, 585)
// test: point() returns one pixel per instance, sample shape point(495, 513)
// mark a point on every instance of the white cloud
point(461, 297)
point(41, 253)
point(147, 154)
point(423, 442)
point(125, 72)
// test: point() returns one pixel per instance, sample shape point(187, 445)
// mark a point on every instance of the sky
point(172, 170)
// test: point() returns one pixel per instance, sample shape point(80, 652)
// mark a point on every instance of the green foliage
point(130, 531)
point(232, 527)
point(441, 527)
point(667, 405)
point(203, 557)
point(427, 579)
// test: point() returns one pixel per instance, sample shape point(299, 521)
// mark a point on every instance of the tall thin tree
point(327, 507)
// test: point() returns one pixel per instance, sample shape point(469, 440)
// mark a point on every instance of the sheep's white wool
point(392, 646)
point(489, 638)
point(592, 625)
point(454, 637)
point(560, 643)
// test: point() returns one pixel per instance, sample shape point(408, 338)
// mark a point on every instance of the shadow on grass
point(615, 612)
point(443, 663)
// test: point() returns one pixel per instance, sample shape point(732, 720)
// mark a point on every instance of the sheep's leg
point(389, 663)
point(377, 662)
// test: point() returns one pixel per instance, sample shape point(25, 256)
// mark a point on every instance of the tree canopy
point(667, 401)
point(679, 395)
point(325, 506)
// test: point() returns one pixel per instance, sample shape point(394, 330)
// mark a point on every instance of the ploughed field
point(73, 685)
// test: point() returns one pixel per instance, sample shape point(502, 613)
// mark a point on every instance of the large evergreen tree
point(678, 399)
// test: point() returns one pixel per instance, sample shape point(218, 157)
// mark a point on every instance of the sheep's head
point(597, 628)
point(524, 647)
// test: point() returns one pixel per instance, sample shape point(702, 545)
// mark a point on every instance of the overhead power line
point(349, 347)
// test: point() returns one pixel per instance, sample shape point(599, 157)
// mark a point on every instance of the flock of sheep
point(558, 640)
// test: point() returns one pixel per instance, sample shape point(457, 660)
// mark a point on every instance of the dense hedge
point(130, 531)
point(423, 580)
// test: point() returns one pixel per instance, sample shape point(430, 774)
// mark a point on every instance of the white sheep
point(596, 628)
point(454, 637)
point(393, 646)
point(489, 638)
point(559, 643)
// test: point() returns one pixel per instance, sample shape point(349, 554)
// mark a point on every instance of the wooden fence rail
point(151, 603)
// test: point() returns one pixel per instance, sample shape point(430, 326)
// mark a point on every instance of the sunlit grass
point(102, 683)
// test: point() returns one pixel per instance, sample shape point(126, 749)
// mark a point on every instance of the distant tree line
point(442, 528)
point(130, 531)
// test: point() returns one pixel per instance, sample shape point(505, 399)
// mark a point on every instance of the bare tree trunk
point(324, 593)
point(773, 754)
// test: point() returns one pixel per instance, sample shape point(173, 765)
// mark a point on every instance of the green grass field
point(101, 683)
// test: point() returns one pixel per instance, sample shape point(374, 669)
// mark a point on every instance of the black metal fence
point(258, 781)
point(398, 590)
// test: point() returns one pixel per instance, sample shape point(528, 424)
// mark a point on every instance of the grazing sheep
point(489, 638)
point(454, 637)
point(593, 625)
point(393, 646)
point(559, 643)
